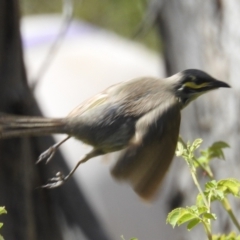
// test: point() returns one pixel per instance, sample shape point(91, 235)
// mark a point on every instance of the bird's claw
point(49, 153)
point(55, 181)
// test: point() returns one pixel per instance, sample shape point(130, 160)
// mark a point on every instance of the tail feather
point(15, 126)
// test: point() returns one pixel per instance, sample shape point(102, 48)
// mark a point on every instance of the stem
point(207, 230)
point(199, 189)
point(207, 204)
point(208, 171)
point(228, 208)
point(207, 226)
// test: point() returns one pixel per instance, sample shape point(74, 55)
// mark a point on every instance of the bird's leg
point(49, 153)
point(60, 178)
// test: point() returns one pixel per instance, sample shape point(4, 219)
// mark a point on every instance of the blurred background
point(74, 49)
point(121, 16)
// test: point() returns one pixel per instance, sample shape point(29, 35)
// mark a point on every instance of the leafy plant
point(201, 213)
point(2, 211)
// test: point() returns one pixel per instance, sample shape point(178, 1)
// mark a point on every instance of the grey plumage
point(141, 116)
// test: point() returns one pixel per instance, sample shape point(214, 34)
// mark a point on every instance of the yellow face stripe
point(193, 85)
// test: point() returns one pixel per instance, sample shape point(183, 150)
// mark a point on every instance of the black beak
point(219, 84)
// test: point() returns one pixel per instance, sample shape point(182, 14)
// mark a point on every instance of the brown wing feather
point(149, 154)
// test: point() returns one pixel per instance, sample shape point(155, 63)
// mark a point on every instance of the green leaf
point(199, 200)
point(179, 149)
point(196, 144)
point(220, 144)
point(193, 208)
point(180, 215)
point(174, 216)
point(210, 216)
point(1, 224)
point(230, 186)
point(211, 185)
point(214, 151)
point(186, 217)
point(201, 209)
point(219, 195)
point(2, 210)
point(193, 224)
point(213, 191)
point(1, 237)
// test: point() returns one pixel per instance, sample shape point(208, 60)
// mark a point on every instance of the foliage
point(214, 190)
point(2, 211)
point(230, 236)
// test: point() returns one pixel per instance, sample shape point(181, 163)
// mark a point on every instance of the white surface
point(90, 60)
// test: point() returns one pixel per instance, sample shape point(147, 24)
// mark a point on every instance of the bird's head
point(190, 84)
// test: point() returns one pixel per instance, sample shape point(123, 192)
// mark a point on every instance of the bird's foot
point(56, 181)
point(48, 154)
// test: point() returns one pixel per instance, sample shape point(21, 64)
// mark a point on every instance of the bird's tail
point(15, 126)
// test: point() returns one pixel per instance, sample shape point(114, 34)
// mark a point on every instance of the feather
point(148, 156)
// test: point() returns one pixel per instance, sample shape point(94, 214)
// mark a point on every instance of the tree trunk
point(32, 213)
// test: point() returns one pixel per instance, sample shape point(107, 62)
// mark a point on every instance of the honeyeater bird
point(140, 117)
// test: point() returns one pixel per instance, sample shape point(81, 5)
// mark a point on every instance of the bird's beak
point(219, 84)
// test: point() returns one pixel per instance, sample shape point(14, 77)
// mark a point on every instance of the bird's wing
point(150, 152)
point(89, 104)
point(136, 97)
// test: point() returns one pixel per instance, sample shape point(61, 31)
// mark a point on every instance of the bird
point(141, 117)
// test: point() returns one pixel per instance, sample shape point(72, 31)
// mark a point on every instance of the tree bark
point(32, 213)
